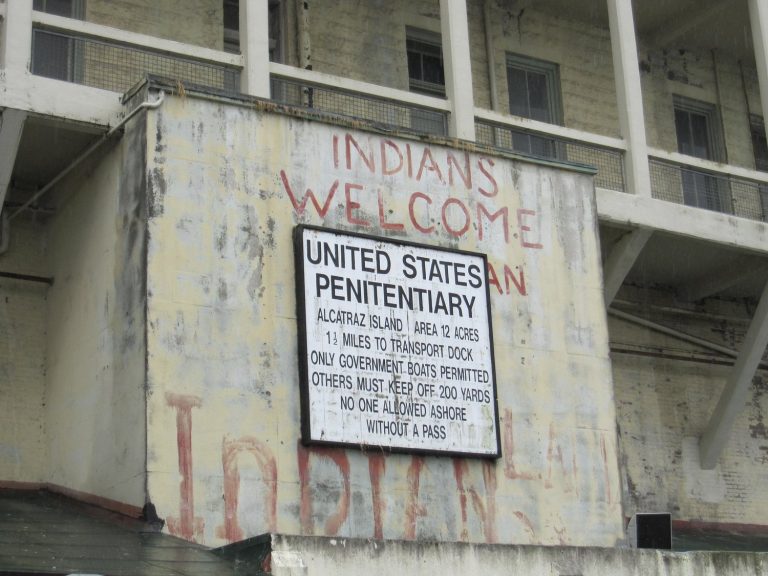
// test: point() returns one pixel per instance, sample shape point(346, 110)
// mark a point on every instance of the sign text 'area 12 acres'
point(395, 344)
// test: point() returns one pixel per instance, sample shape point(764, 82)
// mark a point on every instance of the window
point(55, 55)
point(760, 150)
point(68, 8)
point(695, 125)
point(534, 92)
point(276, 28)
point(425, 76)
point(425, 62)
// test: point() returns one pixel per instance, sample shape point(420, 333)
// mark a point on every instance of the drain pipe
point(655, 326)
point(490, 55)
point(91, 149)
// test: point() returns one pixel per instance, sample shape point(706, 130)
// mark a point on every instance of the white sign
point(396, 345)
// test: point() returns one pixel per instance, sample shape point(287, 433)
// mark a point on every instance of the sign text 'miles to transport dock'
point(395, 345)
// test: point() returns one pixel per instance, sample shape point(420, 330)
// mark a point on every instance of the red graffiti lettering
point(300, 206)
point(486, 511)
point(604, 456)
point(428, 163)
point(230, 450)
point(487, 173)
point(365, 156)
point(464, 173)
point(412, 213)
point(334, 522)
point(455, 231)
point(502, 212)
point(352, 205)
point(510, 469)
point(376, 466)
point(383, 218)
point(527, 524)
point(521, 213)
point(555, 454)
point(413, 509)
point(386, 169)
point(186, 525)
point(459, 469)
point(509, 280)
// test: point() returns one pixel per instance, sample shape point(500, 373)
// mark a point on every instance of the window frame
point(551, 71)
point(71, 48)
point(526, 142)
point(757, 128)
point(430, 42)
point(700, 189)
point(712, 115)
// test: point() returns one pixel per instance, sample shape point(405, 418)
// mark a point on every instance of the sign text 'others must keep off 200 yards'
point(396, 345)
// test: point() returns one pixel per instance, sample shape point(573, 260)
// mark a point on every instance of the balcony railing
point(385, 112)
point(110, 59)
point(113, 66)
point(708, 189)
point(608, 161)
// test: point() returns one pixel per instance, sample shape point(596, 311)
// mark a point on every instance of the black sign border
point(301, 321)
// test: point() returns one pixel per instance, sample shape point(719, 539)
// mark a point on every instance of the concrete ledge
point(653, 214)
point(285, 555)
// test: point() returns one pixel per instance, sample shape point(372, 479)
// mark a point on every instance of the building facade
point(606, 158)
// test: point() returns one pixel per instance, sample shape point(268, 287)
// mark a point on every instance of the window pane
point(684, 143)
point(50, 56)
point(59, 7)
point(231, 15)
point(700, 134)
point(760, 148)
point(433, 70)
point(538, 97)
point(414, 65)
point(518, 92)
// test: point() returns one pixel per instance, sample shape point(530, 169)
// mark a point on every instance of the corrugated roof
point(44, 533)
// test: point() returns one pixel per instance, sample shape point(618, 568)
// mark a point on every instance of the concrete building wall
point(366, 40)
point(666, 391)
point(198, 22)
point(95, 375)
point(23, 356)
point(713, 78)
point(582, 52)
point(228, 185)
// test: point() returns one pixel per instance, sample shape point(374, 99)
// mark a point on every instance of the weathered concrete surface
point(291, 555)
point(227, 186)
point(23, 448)
point(666, 390)
point(95, 375)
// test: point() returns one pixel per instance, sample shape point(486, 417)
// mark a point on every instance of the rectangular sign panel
point(395, 344)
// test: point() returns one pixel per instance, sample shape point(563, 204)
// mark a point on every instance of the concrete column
point(458, 69)
point(630, 99)
point(16, 37)
point(621, 259)
point(254, 46)
point(11, 127)
point(758, 18)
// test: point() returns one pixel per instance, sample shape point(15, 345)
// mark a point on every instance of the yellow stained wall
point(224, 457)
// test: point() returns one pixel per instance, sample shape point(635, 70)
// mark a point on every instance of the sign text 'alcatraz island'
point(395, 345)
